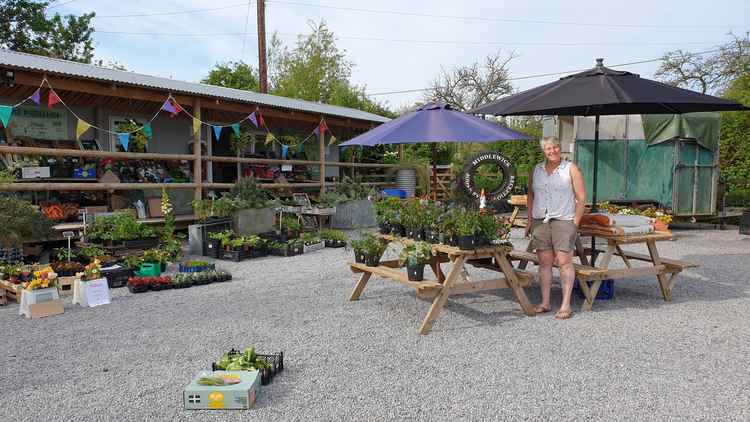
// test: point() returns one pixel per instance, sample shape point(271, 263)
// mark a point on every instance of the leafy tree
point(238, 75)
point(25, 27)
point(22, 222)
point(734, 148)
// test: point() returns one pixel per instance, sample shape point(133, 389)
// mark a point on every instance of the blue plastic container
point(606, 290)
point(399, 193)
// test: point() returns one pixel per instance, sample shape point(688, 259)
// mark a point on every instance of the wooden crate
point(12, 291)
point(65, 285)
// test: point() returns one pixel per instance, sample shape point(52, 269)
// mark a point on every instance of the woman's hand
point(527, 231)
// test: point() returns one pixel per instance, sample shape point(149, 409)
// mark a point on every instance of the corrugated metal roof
point(65, 67)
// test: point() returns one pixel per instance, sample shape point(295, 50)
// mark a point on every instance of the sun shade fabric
point(703, 127)
point(436, 122)
point(603, 91)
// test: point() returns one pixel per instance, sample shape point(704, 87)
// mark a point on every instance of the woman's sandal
point(563, 314)
point(539, 309)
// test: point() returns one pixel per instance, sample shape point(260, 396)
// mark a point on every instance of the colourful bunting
point(35, 97)
point(252, 118)
point(284, 151)
point(236, 128)
point(5, 112)
point(196, 127)
point(269, 138)
point(332, 140)
point(147, 130)
point(124, 140)
point(168, 107)
point(52, 99)
point(261, 121)
point(177, 109)
point(217, 132)
point(81, 128)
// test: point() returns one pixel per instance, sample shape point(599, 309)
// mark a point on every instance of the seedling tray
point(276, 360)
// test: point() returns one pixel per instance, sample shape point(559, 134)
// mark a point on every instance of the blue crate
point(399, 193)
point(80, 173)
point(606, 290)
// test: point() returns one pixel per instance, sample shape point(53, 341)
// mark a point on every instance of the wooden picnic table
point(665, 270)
point(456, 282)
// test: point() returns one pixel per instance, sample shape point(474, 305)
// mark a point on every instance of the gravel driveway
point(633, 358)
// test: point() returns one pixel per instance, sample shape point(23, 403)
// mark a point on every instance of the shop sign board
point(40, 123)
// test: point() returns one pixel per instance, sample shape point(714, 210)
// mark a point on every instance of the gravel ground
point(633, 358)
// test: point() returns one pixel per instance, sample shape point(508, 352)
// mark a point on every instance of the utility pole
point(262, 65)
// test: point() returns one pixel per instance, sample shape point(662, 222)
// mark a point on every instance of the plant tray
point(258, 253)
point(276, 360)
point(141, 288)
point(186, 269)
point(314, 247)
point(157, 287)
point(235, 256)
point(335, 243)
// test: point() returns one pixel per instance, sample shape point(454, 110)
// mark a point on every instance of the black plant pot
point(415, 272)
point(213, 248)
point(466, 243)
point(415, 234)
point(359, 257)
point(395, 229)
point(372, 260)
point(385, 228)
point(432, 236)
point(138, 289)
point(480, 240)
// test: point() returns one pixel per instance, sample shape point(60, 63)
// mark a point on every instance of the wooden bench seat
point(671, 264)
point(396, 275)
point(584, 270)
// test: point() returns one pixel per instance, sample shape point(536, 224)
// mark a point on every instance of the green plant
point(21, 222)
point(738, 198)
point(387, 210)
point(368, 244)
point(247, 194)
point(223, 207)
point(133, 261)
point(236, 242)
point(467, 223)
point(241, 142)
point(223, 236)
point(203, 208)
point(92, 251)
point(333, 235)
point(353, 189)
point(252, 240)
point(290, 223)
point(309, 239)
point(138, 139)
point(7, 176)
point(493, 228)
point(14, 270)
point(416, 253)
point(156, 255)
point(119, 227)
point(412, 215)
point(431, 216)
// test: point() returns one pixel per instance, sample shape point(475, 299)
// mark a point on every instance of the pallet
point(12, 291)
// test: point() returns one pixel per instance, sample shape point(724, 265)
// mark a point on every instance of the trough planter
point(353, 215)
point(314, 247)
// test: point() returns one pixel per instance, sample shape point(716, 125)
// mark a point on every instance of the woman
point(556, 201)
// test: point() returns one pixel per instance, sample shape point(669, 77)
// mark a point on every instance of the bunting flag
point(217, 132)
point(147, 130)
point(284, 151)
point(35, 97)
point(177, 110)
point(81, 128)
point(332, 140)
point(5, 112)
point(124, 140)
point(52, 99)
point(261, 121)
point(236, 128)
point(196, 127)
point(321, 129)
point(269, 138)
point(252, 118)
point(168, 107)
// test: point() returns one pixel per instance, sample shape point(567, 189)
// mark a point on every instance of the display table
point(456, 282)
point(91, 293)
point(665, 270)
point(40, 302)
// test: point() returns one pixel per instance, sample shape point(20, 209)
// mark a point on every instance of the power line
point(181, 12)
point(247, 17)
point(491, 19)
point(542, 75)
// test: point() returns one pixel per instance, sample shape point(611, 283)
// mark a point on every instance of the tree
point(25, 27)
point(468, 87)
point(237, 75)
point(735, 138)
point(707, 73)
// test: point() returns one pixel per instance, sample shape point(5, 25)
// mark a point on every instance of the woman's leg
point(546, 259)
point(567, 275)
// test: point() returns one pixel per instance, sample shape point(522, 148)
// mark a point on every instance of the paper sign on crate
point(91, 293)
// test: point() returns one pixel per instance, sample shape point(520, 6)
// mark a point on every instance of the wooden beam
point(228, 159)
point(60, 152)
point(30, 186)
point(322, 146)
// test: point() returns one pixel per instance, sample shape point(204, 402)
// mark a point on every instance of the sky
point(403, 45)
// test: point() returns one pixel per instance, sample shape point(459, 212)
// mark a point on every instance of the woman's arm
point(580, 192)
point(529, 201)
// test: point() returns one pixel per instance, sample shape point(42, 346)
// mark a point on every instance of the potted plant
point(467, 224)
point(368, 249)
point(290, 227)
point(387, 212)
point(415, 255)
point(13, 272)
point(430, 222)
point(296, 247)
point(160, 283)
point(182, 280)
point(157, 256)
point(138, 284)
point(412, 216)
point(333, 238)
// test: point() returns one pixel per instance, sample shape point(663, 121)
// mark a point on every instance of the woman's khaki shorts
point(559, 235)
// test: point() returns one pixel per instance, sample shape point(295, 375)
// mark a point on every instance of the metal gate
point(695, 179)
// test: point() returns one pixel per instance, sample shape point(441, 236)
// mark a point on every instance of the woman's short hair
point(549, 140)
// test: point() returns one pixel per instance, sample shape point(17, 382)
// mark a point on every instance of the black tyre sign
point(492, 158)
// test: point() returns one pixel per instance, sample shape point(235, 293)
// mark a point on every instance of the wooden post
point(262, 66)
point(322, 146)
point(197, 160)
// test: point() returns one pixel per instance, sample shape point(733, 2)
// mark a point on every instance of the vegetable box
point(241, 395)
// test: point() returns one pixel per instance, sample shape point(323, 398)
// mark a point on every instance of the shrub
point(738, 198)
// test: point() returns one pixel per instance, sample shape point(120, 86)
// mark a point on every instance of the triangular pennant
point(316, 131)
point(196, 127)
point(323, 127)
point(168, 107)
point(5, 112)
point(284, 151)
point(124, 140)
point(269, 138)
point(252, 118)
point(332, 140)
point(52, 99)
point(147, 130)
point(261, 120)
point(236, 128)
point(35, 97)
point(81, 128)
point(217, 132)
point(177, 110)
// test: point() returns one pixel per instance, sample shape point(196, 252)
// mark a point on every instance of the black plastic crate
point(117, 277)
point(235, 256)
point(276, 360)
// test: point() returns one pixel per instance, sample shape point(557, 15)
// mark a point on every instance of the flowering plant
point(43, 279)
point(92, 271)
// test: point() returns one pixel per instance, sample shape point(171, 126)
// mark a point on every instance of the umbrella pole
point(434, 172)
point(593, 184)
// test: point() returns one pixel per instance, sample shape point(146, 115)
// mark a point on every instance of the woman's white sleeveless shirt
point(553, 194)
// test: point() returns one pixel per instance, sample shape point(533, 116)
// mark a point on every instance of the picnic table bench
point(659, 267)
point(456, 282)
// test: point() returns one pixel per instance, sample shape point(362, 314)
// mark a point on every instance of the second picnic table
point(456, 282)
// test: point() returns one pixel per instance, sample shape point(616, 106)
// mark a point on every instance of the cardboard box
point(45, 309)
point(96, 209)
point(237, 396)
point(154, 207)
point(109, 177)
point(119, 202)
point(34, 172)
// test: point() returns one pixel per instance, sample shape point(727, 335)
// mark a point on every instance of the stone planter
point(354, 215)
point(253, 221)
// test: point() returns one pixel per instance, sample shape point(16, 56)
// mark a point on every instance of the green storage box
point(236, 396)
point(149, 269)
